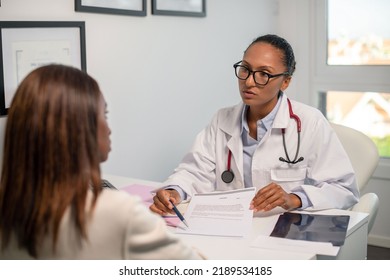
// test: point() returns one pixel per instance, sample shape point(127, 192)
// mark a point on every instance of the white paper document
point(220, 213)
point(284, 244)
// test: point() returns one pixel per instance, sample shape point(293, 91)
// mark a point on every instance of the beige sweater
point(121, 227)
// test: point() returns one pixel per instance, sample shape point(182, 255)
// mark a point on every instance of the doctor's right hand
point(162, 201)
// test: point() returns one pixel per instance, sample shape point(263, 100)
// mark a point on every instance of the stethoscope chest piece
point(227, 176)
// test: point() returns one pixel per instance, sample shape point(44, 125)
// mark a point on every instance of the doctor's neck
point(258, 112)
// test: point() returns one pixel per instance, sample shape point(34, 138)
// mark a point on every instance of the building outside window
point(361, 36)
point(368, 112)
point(356, 64)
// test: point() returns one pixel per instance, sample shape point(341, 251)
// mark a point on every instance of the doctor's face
point(268, 59)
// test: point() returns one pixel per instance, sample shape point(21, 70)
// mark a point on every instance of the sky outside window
point(358, 32)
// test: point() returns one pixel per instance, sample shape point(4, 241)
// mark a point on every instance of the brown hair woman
point(52, 205)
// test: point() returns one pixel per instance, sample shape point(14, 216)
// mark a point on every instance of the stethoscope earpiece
point(292, 162)
point(282, 159)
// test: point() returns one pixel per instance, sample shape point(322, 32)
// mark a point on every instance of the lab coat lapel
point(231, 126)
point(235, 145)
point(282, 116)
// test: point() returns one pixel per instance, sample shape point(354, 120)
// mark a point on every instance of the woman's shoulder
point(229, 113)
point(309, 115)
point(116, 201)
point(119, 210)
point(305, 108)
point(227, 117)
point(231, 109)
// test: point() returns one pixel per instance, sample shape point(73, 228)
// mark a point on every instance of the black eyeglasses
point(260, 77)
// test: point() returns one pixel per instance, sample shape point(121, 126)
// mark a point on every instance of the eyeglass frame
point(250, 72)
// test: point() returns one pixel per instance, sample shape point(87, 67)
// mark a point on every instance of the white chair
point(364, 157)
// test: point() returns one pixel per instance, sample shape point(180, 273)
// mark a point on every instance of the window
point(351, 73)
point(358, 32)
point(368, 112)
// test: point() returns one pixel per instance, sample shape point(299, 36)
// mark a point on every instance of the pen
point(179, 214)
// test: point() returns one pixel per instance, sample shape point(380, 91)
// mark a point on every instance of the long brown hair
point(51, 156)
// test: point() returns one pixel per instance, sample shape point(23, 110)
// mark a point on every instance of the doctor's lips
point(248, 93)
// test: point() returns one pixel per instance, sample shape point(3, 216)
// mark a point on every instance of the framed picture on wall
point(118, 7)
point(26, 45)
point(190, 8)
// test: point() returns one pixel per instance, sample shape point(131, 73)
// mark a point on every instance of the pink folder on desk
point(145, 193)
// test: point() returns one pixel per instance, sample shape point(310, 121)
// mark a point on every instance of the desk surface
point(217, 247)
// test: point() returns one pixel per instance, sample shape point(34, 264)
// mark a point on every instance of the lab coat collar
point(231, 122)
point(282, 116)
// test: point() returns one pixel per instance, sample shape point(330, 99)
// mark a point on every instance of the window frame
point(359, 78)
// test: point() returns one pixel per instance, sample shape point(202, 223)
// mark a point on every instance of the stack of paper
point(220, 213)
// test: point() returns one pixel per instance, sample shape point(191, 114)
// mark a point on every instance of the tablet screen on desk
point(310, 227)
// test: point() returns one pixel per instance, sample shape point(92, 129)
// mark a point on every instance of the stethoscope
point(227, 176)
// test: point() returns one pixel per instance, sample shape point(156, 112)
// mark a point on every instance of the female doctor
point(286, 149)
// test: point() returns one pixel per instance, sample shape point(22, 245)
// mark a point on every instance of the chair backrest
point(361, 151)
point(364, 157)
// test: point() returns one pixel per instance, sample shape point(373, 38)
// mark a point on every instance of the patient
point(52, 205)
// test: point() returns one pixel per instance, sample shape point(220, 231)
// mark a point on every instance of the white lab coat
point(325, 175)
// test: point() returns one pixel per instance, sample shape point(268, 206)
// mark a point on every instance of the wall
point(163, 77)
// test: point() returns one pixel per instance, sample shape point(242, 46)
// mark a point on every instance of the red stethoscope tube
point(228, 175)
point(298, 121)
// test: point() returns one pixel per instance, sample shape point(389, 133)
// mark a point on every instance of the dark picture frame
point(26, 45)
point(189, 8)
point(116, 7)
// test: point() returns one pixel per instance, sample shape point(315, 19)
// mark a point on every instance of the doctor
point(286, 149)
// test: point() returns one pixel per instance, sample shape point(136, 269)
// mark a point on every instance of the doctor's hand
point(162, 201)
point(274, 195)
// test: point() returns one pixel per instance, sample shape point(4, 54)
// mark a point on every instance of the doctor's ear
point(286, 83)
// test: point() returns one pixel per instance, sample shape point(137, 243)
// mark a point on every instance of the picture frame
point(117, 7)
point(189, 8)
point(26, 45)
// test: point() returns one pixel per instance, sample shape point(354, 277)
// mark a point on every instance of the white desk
point(216, 247)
